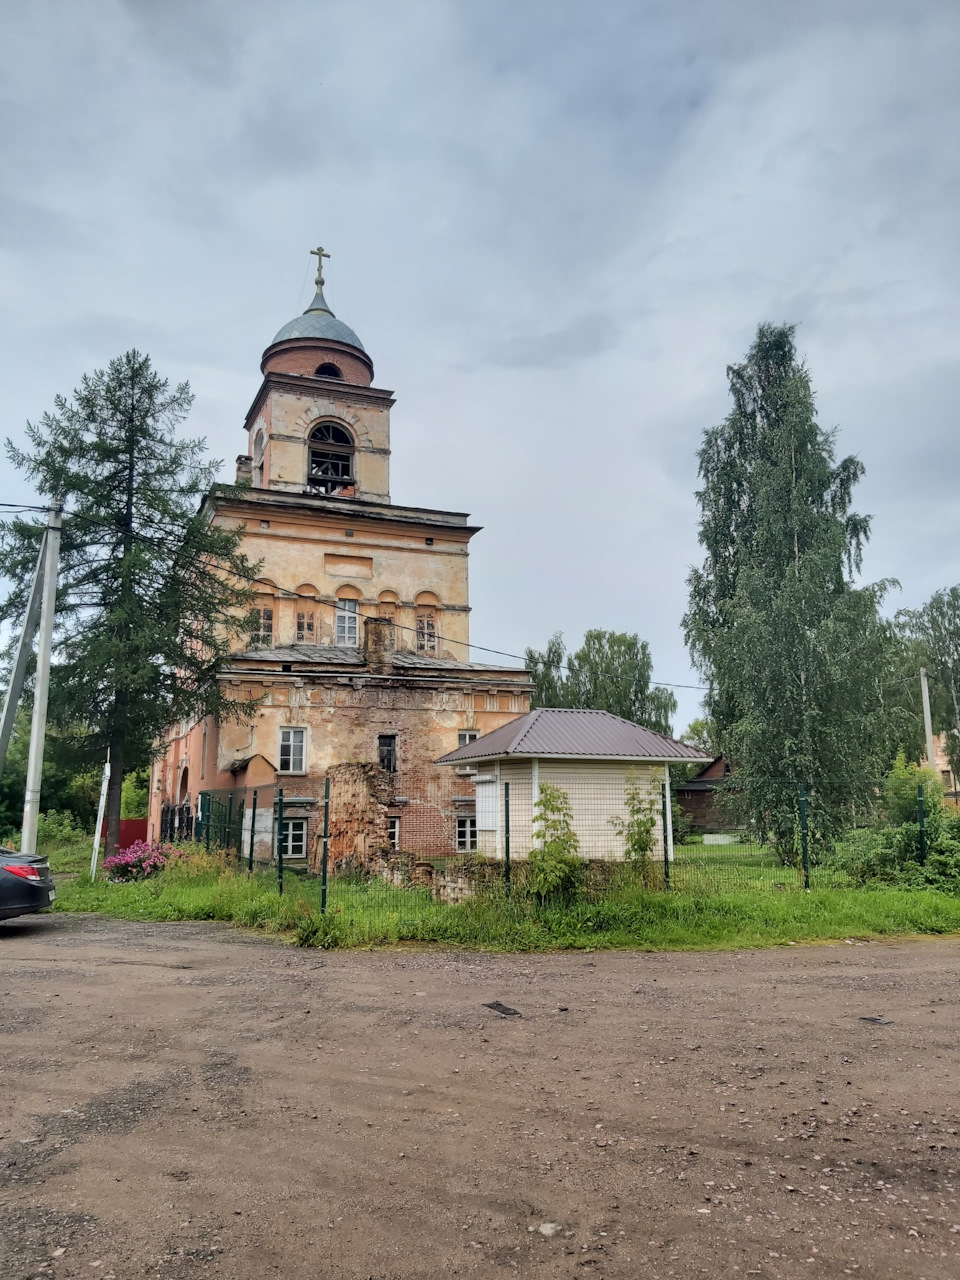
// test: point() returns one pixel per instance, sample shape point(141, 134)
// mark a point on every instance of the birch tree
point(794, 652)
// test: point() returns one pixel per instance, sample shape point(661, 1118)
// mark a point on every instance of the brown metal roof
point(556, 731)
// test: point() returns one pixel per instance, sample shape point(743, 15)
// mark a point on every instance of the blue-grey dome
point(318, 321)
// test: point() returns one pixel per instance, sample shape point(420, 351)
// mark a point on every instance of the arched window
point(258, 447)
point(331, 458)
point(262, 619)
point(347, 630)
point(327, 371)
point(427, 604)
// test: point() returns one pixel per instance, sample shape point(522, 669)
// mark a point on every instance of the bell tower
point(318, 426)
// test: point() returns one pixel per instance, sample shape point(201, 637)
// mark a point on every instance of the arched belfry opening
point(332, 450)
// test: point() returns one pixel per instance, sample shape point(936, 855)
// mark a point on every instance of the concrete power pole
point(38, 726)
point(927, 721)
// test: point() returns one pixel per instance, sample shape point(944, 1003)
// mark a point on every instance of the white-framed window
point(261, 628)
point(305, 627)
point(466, 835)
point(393, 832)
point(465, 736)
point(293, 837)
point(292, 750)
point(348, 622)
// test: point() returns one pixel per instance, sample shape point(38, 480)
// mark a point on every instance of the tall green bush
point(556, 870)
point(900, 794)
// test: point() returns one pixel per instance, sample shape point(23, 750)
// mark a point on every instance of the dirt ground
point(186, 1101)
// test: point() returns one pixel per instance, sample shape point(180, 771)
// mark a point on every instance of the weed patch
point(374, 913)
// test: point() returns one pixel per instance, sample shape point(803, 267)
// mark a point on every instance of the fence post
point(253, 830)
point(922, 820)
point(281, 836)
point(666, 843)
point(506, 838)
point(326, 841)
point(206, 820)
point(228, 833)
point(804, 839)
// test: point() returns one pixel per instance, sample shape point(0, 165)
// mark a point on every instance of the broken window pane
point(387, 748)
point(331, 458)
point(426, 631)
point(467, 835)
point(261, 628)
point(305, 629)
point(393, 832)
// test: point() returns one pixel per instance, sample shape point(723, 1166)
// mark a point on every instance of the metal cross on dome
point(319, 254)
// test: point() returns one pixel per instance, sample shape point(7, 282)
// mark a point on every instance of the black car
point(25, 884)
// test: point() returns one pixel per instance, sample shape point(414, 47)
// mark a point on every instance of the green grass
point(67, 856)
point(378, 914)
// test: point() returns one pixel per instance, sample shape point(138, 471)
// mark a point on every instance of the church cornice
point(331, 389)
point(350, 511)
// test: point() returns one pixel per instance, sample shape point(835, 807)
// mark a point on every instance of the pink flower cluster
point(141, 859)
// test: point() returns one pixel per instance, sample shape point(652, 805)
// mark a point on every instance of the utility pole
point(38, 727)
point(927, 721)
point(24, 650)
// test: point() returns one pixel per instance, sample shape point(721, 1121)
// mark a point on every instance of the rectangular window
point(947, 779)
point(305, 628)
point(293, 837)
point(387, 751)
point(348, 622)
point(487, 805)
point(467, 835)
point(203, 753)
point(467, 735)
point(261, 628)
point(426, 631)
point(292, 743)
point(393, 832)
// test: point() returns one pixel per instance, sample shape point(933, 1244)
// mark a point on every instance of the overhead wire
point(290, 593)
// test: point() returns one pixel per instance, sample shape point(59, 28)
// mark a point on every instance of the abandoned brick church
point(359, 642)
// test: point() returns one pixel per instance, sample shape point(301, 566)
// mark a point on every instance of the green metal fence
point(285, 831)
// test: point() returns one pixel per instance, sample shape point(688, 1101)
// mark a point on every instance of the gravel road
point(187, 1101)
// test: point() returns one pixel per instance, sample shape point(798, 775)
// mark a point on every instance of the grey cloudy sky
point(552, 224)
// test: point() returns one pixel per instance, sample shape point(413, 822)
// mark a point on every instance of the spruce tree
point(794, 652)
point(152, 594)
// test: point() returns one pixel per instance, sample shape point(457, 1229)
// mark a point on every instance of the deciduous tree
point(795, 653)
point(611, 671)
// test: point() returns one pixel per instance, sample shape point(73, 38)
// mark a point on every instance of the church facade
point(358, 647)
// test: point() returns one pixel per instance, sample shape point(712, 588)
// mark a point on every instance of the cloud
point(552, 227)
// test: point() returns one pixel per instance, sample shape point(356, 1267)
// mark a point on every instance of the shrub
point(556, 871)
point(58, 827)
point(899, 794)
point(643, 810)
point(144, 858)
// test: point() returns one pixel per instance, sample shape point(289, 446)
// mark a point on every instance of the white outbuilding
point(591, 755)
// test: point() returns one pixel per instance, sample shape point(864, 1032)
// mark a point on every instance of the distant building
point(941, 764)
point(591, 755)
point(698, 798)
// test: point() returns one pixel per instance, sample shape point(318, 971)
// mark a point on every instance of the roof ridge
point(531, 719)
